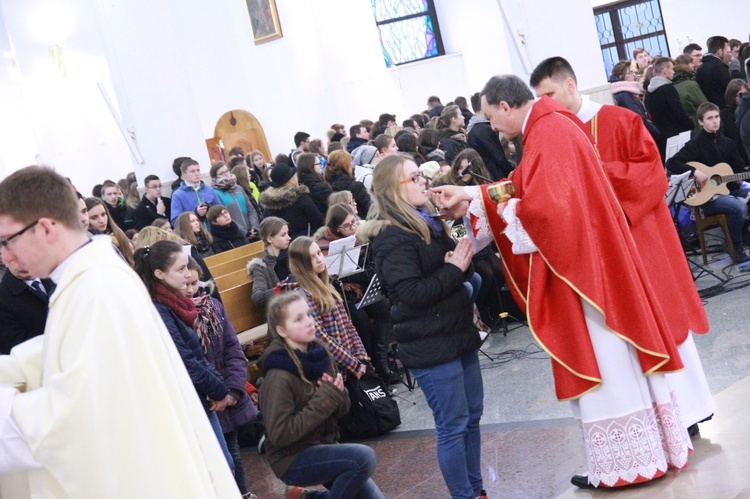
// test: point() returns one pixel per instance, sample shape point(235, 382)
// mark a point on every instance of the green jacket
point(691, 95)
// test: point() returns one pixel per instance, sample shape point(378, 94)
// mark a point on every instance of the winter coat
point(186, 198)
point(690, 94)
point(663, 104)
point(207, 381)
point(227, 237)
point(430, 307)
point(319, 190)
point(145, 213)
point(713, 77)
point(729, 128)
point(227, 357)
point(343, 182)
point(743, 120)
point(354, 143)
point(295, 206)
point(451, 144)
point(263, 273)
point(297, 416)
point(486, 142)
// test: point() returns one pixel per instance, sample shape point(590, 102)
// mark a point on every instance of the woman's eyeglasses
point(350, 225)
point(414, 179)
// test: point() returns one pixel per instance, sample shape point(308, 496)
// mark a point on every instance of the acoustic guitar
point(719, 176)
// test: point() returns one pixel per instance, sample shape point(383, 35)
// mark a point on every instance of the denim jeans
point(233, 445)
point(344, 469)
point(473, 285)
point(736, 209)
point(454, 393)
point(216, 426)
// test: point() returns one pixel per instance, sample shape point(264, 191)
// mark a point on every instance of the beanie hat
point(281, 174)
point(429, 169)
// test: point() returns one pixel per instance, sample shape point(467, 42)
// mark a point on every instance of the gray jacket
point(264, 278)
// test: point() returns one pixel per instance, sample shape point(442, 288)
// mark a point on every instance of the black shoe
point(742, 257)
point(693, 430)
point(582, 482)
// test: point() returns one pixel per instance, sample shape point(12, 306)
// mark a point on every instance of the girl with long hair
point(340, 175)
point(268, 271)
point(452, 133)
point(310, 173)
point(189, 227)
point(301, 396)
point(469, 158)
point(423, 271)
point(163, 268)
point(102, 222)
point(332, 324)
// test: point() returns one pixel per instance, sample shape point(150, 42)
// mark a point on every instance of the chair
point(702, 223)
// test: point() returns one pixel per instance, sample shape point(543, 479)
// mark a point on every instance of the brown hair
point(269, 227)
point(336, 215)
point(318, 285)
point(477, 166)
point(340, 197)
point(159, 256)
point(448, 113)
point(119, 239)
point(38, 192)
point(182, 228)
point(339, 162)
point(215, 212)
point(734, 87)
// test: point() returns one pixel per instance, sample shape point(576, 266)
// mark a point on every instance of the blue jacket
point(187, 199)
point(206, 380)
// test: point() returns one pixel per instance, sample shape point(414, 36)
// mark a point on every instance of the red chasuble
point(586, 251)
point(633, 165)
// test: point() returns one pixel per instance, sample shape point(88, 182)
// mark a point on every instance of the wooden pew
point(233, 265)
point(233, 254)
point(232, 279)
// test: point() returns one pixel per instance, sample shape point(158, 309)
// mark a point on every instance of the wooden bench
point(230, 266)
point(233, 254)
point(231, 280)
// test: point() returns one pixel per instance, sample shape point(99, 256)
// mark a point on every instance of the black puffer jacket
point(319, 190)
point(430, 308)
point(295, 206)
point(451, 143)
point(342, 182)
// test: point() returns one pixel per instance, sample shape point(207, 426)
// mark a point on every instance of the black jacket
point(743, 121)
point(122, 215)
point(23, 313)
point(430, 307)
point(145, 212)
point(227, 237)
point(487, 143)
point(730, 129)
point(319, 190)
point(342, 182)
point(451, 145)
point(667, 113)
point(295, 206)
point(713, 77)
point(709, 149)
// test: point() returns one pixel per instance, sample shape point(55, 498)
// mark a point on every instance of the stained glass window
point(408, 30)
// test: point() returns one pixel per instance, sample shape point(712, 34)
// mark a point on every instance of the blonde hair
point(151, 234)
point(389, 198)
point(340, 197)
point(318, 285)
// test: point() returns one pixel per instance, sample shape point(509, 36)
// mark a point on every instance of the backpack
point(373, 411)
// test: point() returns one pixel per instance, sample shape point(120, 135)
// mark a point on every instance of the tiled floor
point(531, 445)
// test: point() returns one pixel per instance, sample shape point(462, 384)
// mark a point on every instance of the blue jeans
point(233, 445)
point(344, 469)
point(216, 426)
point(736, 210)
point(454, 393)
point(473, 285)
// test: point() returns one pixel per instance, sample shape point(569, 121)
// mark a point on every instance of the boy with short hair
point(193, 195)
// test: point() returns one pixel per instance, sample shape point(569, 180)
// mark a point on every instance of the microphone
point(466, 170)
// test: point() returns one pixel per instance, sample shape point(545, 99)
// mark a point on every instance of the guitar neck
point(735, 177)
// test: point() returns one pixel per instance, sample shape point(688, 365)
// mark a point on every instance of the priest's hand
point(461, 255)
point(446, 197)
point(456, 212)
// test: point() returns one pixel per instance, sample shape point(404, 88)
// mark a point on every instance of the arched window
point(408, 30)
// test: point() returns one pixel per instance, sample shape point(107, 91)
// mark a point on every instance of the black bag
point(373, 411)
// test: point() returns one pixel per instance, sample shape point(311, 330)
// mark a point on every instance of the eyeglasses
point(414, 179)
point(4, 243)
point(350, 225)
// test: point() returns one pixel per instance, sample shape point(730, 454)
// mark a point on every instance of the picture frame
point(264, 20)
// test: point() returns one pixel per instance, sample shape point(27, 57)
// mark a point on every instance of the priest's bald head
point(505, 101)
point(39, 220)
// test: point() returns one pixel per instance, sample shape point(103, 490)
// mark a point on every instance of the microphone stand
point(478, 176)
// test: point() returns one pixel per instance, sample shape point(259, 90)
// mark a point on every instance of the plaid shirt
point(335, 330)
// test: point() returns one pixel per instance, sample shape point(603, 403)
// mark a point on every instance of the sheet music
point(675, 143)
point(679, 188)
point(337, 250)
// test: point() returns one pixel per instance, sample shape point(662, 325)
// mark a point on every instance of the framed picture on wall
point(264, 20)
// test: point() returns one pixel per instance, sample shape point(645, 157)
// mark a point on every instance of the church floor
point(530, 443)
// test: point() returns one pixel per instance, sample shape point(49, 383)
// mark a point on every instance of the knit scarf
point(177, 303)
point(224, 183)
point(208, 323)
point(632, 87)
point(314, 362)
point(433, 222)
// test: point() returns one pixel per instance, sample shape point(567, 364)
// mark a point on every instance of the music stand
point(373, 294)
point(678, 191)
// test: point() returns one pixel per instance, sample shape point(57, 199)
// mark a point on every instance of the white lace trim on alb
point(476, 208)
point(642, 443)
point(522, 243)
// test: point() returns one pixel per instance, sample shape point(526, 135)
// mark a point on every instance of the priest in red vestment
point(573, 265)
point(632, 163)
